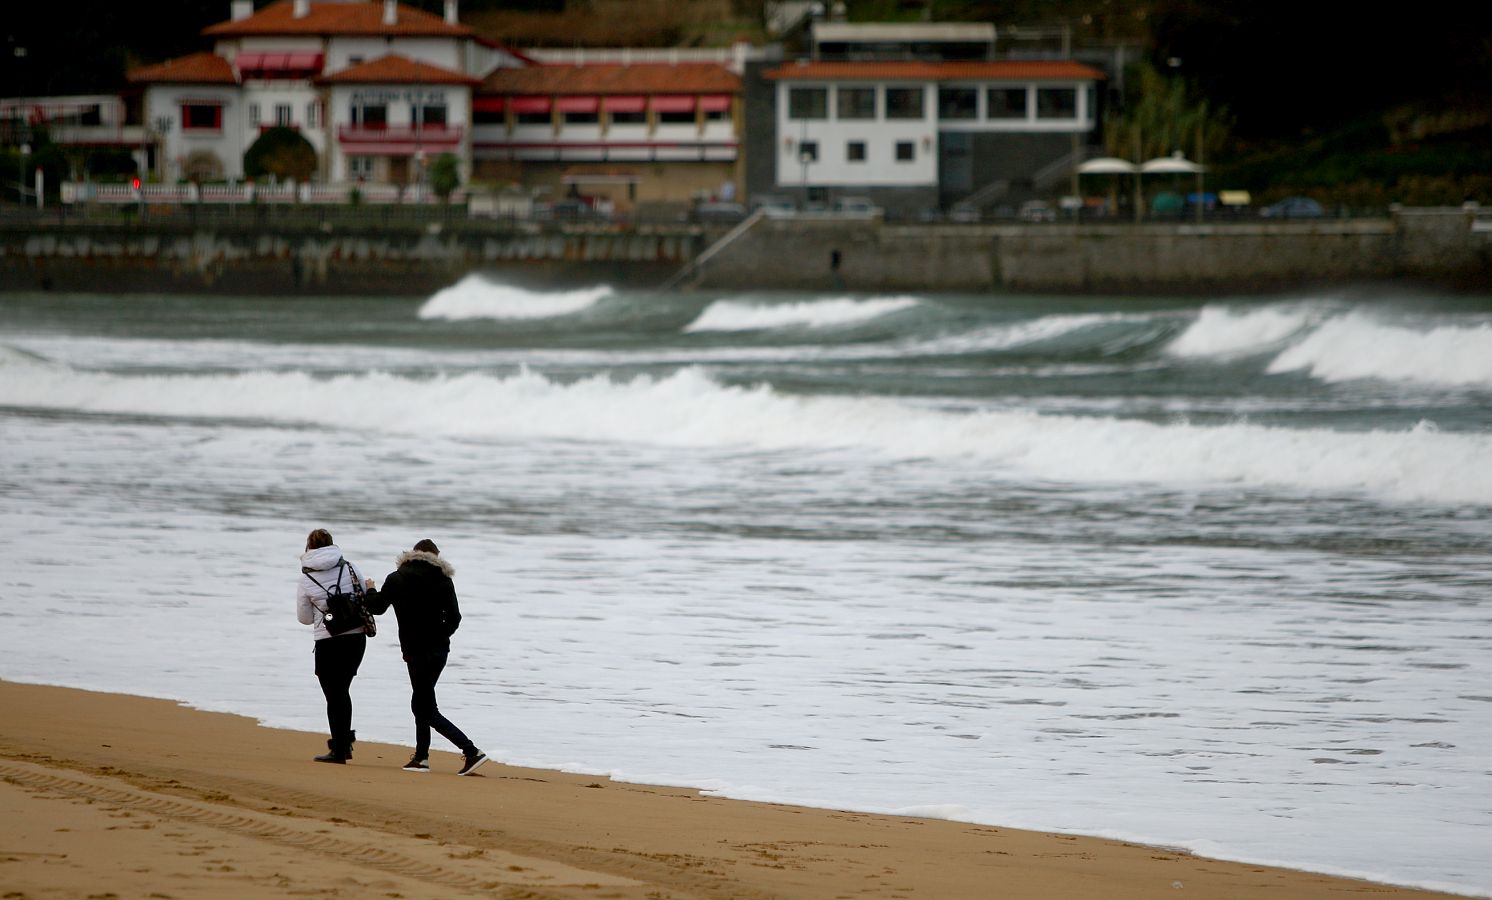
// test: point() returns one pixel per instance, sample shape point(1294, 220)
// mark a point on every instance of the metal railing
point(190, 194)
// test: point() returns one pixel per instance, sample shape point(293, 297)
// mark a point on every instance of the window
point(588, 118)
point(360, 166)
point(313, 114)
point(370, 116)
point(958, 103)
point(354, 60)
point(283, 116)
point(854, 151)
point(808, 103)
point(1056, 103)
point(254, 114)
point(1006, 103)
point(808, 151)
point(904, 103)
point(717, 115)
point(488, 117)
point(433, 116)
point(201, 116)
point(855, 103)
point(534, 118)
point(906, 151)
point(676, 118)
point(629, 118)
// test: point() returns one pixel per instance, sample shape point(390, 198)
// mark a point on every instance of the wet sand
point(108, 795)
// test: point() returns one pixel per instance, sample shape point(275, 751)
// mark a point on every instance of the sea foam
point(1357, 346)
point(737, 315)
point(476, 298)
point(1221, 331)
point(689, 409)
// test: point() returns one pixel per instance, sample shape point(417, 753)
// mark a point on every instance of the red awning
point(715, 103)
point(673, 103)
point(279, 62)
point(577, 104)
point(528, 104)
point(489, 104)
point(625, 103)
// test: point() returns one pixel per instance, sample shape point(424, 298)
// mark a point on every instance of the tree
point(281, 152)
point(445, 176)
point(1162, 115)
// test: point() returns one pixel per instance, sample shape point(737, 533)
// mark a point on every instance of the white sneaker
point(417, 764)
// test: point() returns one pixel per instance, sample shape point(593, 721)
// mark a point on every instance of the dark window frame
point(808, 104)
point(896, 111)
point(1003, 111)
point(958, 103)
point(858, 112)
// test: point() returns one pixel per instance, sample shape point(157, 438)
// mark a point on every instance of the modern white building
point(377, 88)
point(921, 116)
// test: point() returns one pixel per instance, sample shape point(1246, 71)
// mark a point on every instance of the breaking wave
point(1356, 346)
point(688, 409)
point(476, 298)
point(736, 315)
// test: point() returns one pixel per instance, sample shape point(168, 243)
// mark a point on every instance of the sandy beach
point(107, 795)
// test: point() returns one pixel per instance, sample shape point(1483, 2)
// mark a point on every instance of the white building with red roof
point(377, 88)
point(921, 117)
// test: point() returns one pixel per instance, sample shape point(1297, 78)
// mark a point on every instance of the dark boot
point(339, 752)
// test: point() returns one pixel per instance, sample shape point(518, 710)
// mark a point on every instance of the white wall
point(162, 113)
point(881, 135)
point(400, 100)
point(880, 168)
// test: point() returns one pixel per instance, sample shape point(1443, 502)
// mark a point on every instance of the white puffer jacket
point(310, 600)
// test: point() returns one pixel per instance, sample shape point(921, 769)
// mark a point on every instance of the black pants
point(424, 671)
point(337, 659)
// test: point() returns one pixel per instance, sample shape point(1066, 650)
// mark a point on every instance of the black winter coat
point(424, 601)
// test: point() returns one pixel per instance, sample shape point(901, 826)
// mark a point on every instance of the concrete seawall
point(1439, 247)
point(1449, 248)
point(268, 259)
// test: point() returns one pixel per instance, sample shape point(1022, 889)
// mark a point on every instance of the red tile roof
point(199, 68)
point(364, 18)
point(614, 78)
point(1003, 70)
point(395, 69)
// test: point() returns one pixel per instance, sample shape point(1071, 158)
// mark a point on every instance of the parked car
point(716, 211)
point(1037, 211)
point(775, 206)
point(858, 207)
point(569, 209)
point(1293, 208)
point(963, 213)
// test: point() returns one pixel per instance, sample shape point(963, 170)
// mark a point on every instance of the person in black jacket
point(424, 601)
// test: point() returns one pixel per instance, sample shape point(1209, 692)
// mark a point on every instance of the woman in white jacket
point(337, 655)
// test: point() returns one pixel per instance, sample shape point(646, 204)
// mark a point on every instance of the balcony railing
point(443, 137)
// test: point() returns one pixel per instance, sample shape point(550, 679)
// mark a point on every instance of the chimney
point(302, 8)
point(391, 12)
point(451, 16)
point(240, 9)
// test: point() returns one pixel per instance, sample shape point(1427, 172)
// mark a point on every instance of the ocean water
point(1212, 573)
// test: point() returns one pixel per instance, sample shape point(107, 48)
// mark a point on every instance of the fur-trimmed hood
point(421, 556)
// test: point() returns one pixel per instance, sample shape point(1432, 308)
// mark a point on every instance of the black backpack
point(344, 611)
